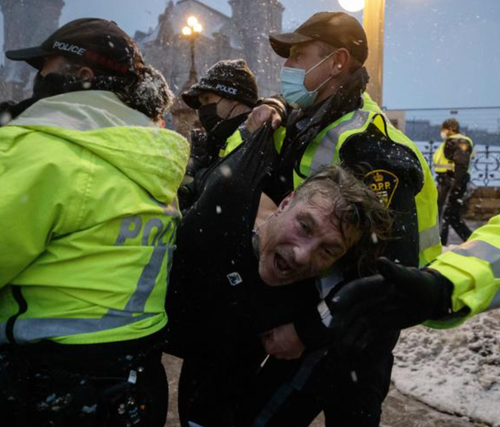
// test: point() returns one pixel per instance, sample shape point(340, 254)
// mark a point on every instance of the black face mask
point(209, 118)
point(227, 127)
point(54, 84)
point(219, 129)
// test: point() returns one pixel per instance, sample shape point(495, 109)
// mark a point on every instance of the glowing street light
point(192, 21)
point(193, 26)
point(192, 30)
point(352, 5)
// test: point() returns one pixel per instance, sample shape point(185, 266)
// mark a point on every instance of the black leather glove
point(415, 296)
point(187, 195)
point(398, 298)
point(279, 104)
point(201, 152)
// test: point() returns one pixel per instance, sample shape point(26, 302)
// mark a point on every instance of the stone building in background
point(16, 78)
point(183, 118)
point(242, 35)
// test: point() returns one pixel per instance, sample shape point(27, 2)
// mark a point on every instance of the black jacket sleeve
point(460, 155)
point(312, 326)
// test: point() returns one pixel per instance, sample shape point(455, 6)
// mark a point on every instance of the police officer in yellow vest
point(88, 217)
point(223, 97)
point(461, 283)
point(335, 121)
point(451, 164)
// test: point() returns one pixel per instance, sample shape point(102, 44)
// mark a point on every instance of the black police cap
point(337, 29)
point(231, 79)
point(96, 42)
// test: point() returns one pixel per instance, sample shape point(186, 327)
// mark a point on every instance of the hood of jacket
point(98, 121)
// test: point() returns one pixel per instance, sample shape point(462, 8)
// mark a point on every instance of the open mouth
point(282, 265)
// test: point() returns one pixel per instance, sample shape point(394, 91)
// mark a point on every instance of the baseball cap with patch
point(337, 29)
point(230, 79)
point(96, 42)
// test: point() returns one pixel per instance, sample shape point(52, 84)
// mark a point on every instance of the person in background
point(451, 164)
point(223, 98)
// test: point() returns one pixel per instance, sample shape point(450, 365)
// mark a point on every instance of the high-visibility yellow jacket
point(474, 270)
point(441, 163)
point(88, 218)
point(236, 139)
point(233, 142)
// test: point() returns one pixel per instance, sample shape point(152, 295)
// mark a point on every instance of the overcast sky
point(438, 53)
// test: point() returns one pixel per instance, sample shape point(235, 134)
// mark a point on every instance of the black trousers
point(453, 210)
point(213, 383)
point(350, 390)
point(444, 183)
point(110, 385)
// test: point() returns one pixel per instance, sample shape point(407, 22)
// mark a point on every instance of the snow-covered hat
point(96, 42)
point(230, 79)
point(337, 29)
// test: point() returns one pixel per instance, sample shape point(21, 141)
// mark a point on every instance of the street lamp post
point(192, 30)
point(373, 22)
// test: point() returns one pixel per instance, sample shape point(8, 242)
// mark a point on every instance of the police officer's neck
point(331, 89)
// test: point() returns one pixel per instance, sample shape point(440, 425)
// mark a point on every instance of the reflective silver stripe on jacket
point(28, 330)
point(429, 238)
point(488, 253)
point(326, 149)
point(484, 251)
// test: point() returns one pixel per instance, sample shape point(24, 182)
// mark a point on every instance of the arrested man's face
point(301, 241)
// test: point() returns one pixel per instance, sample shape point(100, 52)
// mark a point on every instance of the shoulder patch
point(464, 146)
point(383, 183)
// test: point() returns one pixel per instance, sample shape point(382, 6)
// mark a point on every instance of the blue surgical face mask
point(294, 89)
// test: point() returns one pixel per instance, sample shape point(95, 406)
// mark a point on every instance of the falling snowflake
point(226, 171)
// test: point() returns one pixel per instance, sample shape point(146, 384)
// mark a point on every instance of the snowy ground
point(455, 371)
point(445, 378)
